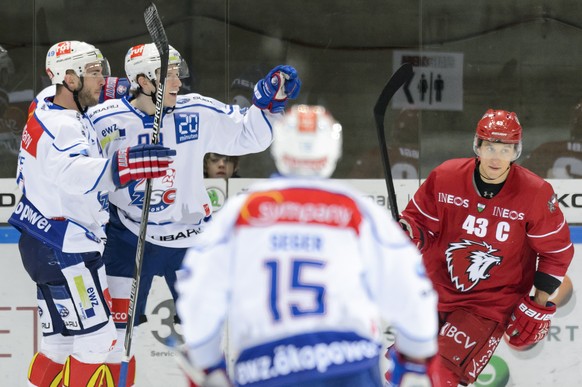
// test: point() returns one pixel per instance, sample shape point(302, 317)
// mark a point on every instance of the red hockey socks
point(77, 374)
point(43, 372)
point(115, 369)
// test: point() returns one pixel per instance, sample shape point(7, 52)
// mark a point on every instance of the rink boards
point(555, 361)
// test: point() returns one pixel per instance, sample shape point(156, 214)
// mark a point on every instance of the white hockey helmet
point(307, 142)
point(73, 55)
point(145, 59)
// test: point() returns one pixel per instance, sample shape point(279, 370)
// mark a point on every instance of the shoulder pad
point(194, 98)
point(104, 108)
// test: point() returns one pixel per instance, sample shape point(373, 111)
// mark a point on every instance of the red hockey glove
point(414, 232)
point(216, 378)
point(404, 372)
point(529, 322)
point(140, 162)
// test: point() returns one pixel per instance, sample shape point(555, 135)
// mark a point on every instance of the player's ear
point(71, 80)
point(143, 81)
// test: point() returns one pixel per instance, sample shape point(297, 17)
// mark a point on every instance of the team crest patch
point(553, 203)
point(470, 262)
point(480, 207)
point(163, 192)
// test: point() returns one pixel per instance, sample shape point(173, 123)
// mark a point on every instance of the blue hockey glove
point(114, 88)
point(403, 372)
point(273, 91)
point(140, 162)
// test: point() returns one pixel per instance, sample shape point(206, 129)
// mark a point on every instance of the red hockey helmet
point(499, 126)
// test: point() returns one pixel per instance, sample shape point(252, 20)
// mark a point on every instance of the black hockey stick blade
point(400, 77)
point(156, 29)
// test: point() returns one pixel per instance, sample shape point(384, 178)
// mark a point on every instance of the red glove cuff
point(414, 232)
point(529, 323)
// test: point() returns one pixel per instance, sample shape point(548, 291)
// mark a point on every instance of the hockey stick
point(177, 346)
point(158, 35)
point(400, 77)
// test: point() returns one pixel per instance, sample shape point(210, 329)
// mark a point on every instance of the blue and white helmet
point(307, 142)
point(145, 59)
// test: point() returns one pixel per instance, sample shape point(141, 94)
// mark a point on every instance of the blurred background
point(468, 56)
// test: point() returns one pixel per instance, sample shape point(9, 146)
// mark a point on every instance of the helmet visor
point(497, 150)
point(98, 68)
point(179, 71)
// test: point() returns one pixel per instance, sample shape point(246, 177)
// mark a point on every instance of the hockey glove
point(414, 232)
point(273, 91)
point(140, 162)
point(529, 322)
point(114, 88)
point(403, 372)
point(216, 378)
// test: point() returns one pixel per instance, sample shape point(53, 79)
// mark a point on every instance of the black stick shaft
point(158, 35)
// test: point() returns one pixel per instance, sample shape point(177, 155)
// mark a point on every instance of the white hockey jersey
point(304, 271)
point(197, 125)
point(64, 180)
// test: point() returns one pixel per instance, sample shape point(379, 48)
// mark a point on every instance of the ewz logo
point(93, 302)
point(186, 125)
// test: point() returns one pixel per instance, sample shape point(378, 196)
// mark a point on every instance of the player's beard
point(87, 98)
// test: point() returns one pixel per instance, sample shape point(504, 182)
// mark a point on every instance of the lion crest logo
point(469, 262)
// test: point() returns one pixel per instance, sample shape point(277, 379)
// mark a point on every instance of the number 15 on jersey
point(290, 294)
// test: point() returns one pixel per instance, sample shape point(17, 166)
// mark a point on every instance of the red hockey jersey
point(481, 254)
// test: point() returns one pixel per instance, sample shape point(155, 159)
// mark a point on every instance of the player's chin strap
point(80, 107)
point(153, 96)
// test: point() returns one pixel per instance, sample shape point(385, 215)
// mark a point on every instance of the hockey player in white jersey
point(303, 270)
point(180, 207)
point(64, 181)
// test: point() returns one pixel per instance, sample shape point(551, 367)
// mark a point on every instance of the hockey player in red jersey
point(488, 230)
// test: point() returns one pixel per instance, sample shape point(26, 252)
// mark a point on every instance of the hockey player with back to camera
point(180, 207)
point(303, 271)
point(64, 180)
point(489, 230)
